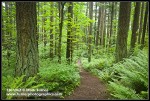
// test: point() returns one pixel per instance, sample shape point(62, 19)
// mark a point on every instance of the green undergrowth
point(62, 78)
point(56, 78)
point(12, 86)
point(98, 63)
point(127, 79)
point(8, 63)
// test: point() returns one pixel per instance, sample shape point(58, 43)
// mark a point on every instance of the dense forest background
point(42, 42)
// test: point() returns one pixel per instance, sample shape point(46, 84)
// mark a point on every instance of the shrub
point(10, 82)
point(61, 78)
point(128, 79)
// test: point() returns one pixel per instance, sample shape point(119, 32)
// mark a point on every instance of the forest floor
point(91, 88)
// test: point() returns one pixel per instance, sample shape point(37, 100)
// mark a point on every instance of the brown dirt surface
point(91, 88)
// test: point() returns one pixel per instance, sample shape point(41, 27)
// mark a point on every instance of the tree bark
point(111, 23)
point(108, 29)
point(27, 50)
point(44, 28)
point(95, 25)
point(57, 30)
point(123, 27)
point(144, 27)
point(90, 31)
point(104, 22)
point(51, 32)
point(69, 33)
point(135, 26)
point(38, 13)
point(141, 23)
point(8, 31)
point(61, 17)
point(3, 34)
point(115, 18)
point(86, 28)
point(98, 31)
point(102, 25)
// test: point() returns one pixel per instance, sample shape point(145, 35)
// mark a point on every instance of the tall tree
point(115, 18)
point(141, 23)
point(135, 26)
point(90, 32)
point(3, 34)
point(104, 22)
point(7, 16)
point(144, 26)
point(38, 13)
point(69, 33)
point(61, 17)
point(102, 25)
point(108, 27)
point(42, 30)
point(95, 28)
point(98, 31)
point(27, 50)
point(86, 28)
point(51, 32)
point(111, 23)
point(56, 28)
point(44, 27)
point(8, 31)
point(123, 27)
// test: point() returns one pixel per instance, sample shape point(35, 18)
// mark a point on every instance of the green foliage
point(61, 78)
point(128, 79)
point(43, 51)
point(8, 64)
point(119, 91)
point(10, 82)
point(99, 62)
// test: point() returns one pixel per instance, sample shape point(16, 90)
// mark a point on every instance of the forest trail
point(91, 88)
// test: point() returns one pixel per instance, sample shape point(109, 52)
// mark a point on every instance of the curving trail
point(91, 88)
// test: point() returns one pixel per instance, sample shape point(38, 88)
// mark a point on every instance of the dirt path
point(91, 88)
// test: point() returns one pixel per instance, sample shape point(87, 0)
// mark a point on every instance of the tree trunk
point(95, 23)
point(115, 18)
point(141, 23)
point(42, 12)
point(111, 23)
point(6, 24)
point(102, 25)
point(3, 34)
point(57, 30)
point(44, 28)
point(51, 32)
point(61, 17)
point(108, 29)
point(8, 31)
point(38, 13)
point(86, 28)
point(98, 31)
point(90, 31)
point(27, 50)
point(69, 33)
point(123, 27)
point(144, 26)
point(11, 21)
point(104, 22)
point(56, 41)
point(135, 26)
